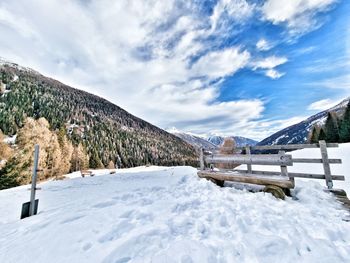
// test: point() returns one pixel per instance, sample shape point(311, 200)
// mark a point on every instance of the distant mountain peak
point(240, 141)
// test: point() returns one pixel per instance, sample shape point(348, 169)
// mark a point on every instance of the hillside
point(298, 133)
point(240, 141)
point(168, 214)
point(107, 132)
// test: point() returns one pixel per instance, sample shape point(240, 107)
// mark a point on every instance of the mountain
point(298, 133)
point(240, 141)
point(106, 131)
point(194, 140)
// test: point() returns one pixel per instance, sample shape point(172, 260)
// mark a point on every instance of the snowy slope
point(160, 214)
point(298, 133)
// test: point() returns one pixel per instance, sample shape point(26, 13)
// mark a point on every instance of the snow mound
point(168, 214)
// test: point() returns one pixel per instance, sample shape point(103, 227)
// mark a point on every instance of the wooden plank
point(316, 176)
point(325, 162)
point(247, 178)
point(315, 160)
point(247, 152)
point(291, 146)
point(263, 159)
point(292, 175)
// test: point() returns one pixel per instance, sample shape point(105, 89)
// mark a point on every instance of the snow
point(168, 214)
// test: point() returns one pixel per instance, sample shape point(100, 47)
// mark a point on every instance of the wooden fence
point(281, 159)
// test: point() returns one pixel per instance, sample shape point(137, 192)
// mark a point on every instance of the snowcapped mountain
point(240, 141)
point(192, 139)
point(212, 142)
point(298, 133)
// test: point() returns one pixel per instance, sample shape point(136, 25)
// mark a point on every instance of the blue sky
point(228, 67)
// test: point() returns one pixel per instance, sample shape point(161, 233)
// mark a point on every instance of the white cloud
point(298, 15)
point(322, 104)
point(237, 10)
point(274, 74)
point(269, 62)
point(221, 63)
point(263, 45)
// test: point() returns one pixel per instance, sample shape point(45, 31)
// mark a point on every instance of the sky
point(226, 67)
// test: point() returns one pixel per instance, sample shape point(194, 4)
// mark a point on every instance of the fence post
point(326, 166)
point(201, 158)
point(247, 152)
point(284, 171)
point(34, 177)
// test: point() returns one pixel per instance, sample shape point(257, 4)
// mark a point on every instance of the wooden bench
point(86, 173)
point(277, 183)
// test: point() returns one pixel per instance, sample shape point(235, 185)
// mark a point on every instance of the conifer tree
point(322, 135)
point(344, 129)
point(331, 128)
point(94, 161)
point(314, 134)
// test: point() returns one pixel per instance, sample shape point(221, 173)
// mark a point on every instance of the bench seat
point(259, 179)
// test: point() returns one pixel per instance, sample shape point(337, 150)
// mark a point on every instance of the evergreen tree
point(314, 134)
point(322, 135)
point(344, 129)
point(95, 162)
point(9, 175)
point(331, 128)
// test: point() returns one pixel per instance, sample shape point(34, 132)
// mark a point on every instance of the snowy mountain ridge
point(240, 141)
point(211, 142)
point(192, 139)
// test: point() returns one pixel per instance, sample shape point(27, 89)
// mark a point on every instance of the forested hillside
point(108, 134)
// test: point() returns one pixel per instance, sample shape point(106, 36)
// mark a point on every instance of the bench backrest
point(261, 159)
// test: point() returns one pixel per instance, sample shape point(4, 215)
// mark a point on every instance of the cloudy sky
point(230, 67)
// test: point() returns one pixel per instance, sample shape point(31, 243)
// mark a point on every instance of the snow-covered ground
point(168, 214)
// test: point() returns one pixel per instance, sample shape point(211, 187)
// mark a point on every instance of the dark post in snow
point(30, 208)
point(33, 189)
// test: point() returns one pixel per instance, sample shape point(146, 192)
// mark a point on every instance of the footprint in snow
point(87, 246)
point(71, 219)
point(117, 232)
point(104, 204)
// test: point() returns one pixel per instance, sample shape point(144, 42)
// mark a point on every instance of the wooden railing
point(281, 159)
